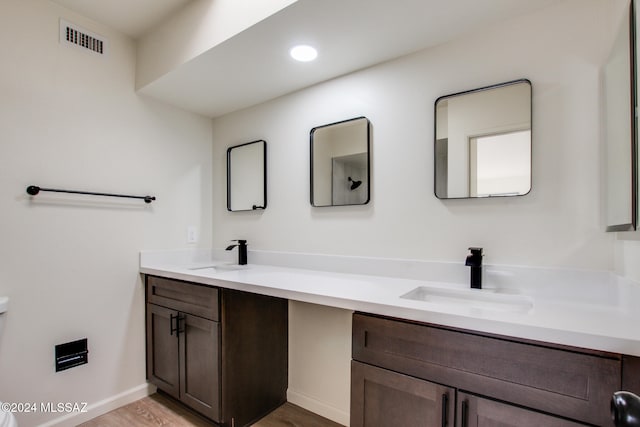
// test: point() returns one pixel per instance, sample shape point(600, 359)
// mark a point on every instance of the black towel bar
point(34, 189)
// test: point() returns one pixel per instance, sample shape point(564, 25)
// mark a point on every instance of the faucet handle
point(476, 251)
point(241, 242)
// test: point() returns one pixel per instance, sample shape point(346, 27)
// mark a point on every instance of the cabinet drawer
point(189, 298)
point(558, 381)
point(474, 411)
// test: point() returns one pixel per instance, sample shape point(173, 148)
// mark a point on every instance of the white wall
point(559, 224)
point(320, 359)
point(69, 263)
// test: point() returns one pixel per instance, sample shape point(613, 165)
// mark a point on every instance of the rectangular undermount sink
point(220, 267)
point(483, 299)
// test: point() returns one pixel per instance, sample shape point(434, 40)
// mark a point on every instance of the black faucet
point(474, 260)
point(242, 251)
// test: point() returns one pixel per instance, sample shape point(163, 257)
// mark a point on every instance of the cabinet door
point(474, 411)
point(200, 365)
point(382, 398)
point(568, 382)
point(162, 349)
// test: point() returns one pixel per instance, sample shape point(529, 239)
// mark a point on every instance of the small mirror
point(340, 163)
point(483, 142)
point(620, 128)
point(247, 176)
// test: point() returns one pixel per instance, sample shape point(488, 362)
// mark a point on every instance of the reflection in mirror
point(483, 142)
point(340, 163)
point(620, 129)
point(247, 176)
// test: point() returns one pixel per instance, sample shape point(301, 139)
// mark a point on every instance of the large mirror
point(340, 163)
point(483, 142)
point(621, 128)
point(247, 176)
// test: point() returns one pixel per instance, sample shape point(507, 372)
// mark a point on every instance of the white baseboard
point(309, 403)
point(102, 407)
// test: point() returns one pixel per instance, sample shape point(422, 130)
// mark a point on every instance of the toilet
point(6, 418)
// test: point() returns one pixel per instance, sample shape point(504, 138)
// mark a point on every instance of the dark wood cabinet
point(163, 363)
point(475, 411)
point(181, 348)
point(219, 351)
point(199, 355)
point(491, 380)
point(385, 398)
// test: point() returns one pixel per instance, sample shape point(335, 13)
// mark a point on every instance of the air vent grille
point(74, 35)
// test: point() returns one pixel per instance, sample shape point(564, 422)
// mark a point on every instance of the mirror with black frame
point(483, 142)
point(619, 86)
point(340, 163)
point(247, 176)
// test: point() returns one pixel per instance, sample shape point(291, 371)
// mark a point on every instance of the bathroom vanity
point(220, 351)
point(550, 350)
point(406, 371)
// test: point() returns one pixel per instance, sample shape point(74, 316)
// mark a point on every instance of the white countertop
point(582, 309)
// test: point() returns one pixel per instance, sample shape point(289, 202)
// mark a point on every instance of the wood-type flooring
point(158, 410)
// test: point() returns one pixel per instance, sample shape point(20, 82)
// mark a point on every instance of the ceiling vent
point(74, 35)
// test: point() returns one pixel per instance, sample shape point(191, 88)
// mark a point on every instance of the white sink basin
point(483, 299)
point(4, 304)
point(221, 267)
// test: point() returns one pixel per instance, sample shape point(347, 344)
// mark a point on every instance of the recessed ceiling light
point(303, 53)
